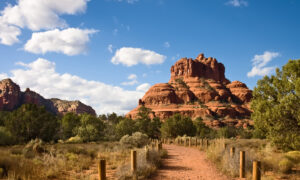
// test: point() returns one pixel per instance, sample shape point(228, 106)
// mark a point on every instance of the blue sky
point(106, 53)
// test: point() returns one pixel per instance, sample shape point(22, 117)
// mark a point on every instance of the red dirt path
point(187, 164)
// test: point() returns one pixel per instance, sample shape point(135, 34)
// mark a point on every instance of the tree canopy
point(178, 125)
point(276, 106)
point(30, 122)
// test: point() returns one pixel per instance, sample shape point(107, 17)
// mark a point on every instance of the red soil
point(187, 164)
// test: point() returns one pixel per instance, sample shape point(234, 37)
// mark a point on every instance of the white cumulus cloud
point(259, 63)
point(143, 87)
point(71, 41)
point(133, 80)
point(8, 33)
point(41, 76)
point(237, 3)
point(36, 15)
point(129, 56)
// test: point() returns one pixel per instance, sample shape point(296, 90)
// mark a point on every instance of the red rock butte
point(11, 97)
point(198, 88)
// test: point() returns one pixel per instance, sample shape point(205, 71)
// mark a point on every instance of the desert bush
point(75, 139)
point(285, 165)
point(90, 128)
point(6, 137)
point(202, 130)
point(227, 132)
point(136, 140)
point(178, 125)
point(125, 127)
point(293, 156)
point(33, 147)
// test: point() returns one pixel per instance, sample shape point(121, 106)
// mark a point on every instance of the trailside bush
point(285, 165)
point(178, 125)
point(90, 128)
point(5, 137)
point(227, 132)
point(125, 127)
point(204, 131)
point(137, 139)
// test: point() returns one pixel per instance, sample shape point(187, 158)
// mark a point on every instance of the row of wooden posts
point(157, 144)
point(256, 172)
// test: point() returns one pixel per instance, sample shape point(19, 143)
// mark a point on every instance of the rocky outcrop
point(31, 97)
point(76, 107)
point(198, 88)
point(11, 97)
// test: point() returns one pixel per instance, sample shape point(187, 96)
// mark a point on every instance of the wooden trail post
point(232, 151)
point(242, 164)
point(146, 153)
point(133, 161)
point(157, 146)
point(256, 174)
point(190, 142)
point(196, 143)
point(102, 170)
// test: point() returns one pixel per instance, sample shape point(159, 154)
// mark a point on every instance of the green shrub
point(125, 127)
point(178, 125)
point(6, 137)
point(136, 140)
point(227, 132)
point(285, 165)
point(90, 128)
point(180, 81)
point(293, 156)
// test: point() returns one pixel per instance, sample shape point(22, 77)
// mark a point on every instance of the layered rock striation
point(11, 97)
point(198, 88)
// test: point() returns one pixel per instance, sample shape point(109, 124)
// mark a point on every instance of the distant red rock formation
point(11, 97)
point(198, 88)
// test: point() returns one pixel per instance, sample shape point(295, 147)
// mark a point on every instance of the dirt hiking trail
point(185, 163)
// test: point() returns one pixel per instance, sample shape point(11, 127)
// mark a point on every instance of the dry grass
point(275, 164)
point(73, 161)
point(145, 168)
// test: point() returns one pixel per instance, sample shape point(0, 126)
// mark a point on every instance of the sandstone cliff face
point(11, 97)
point(31, 97)
point(198, 88)
point(76, 107)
